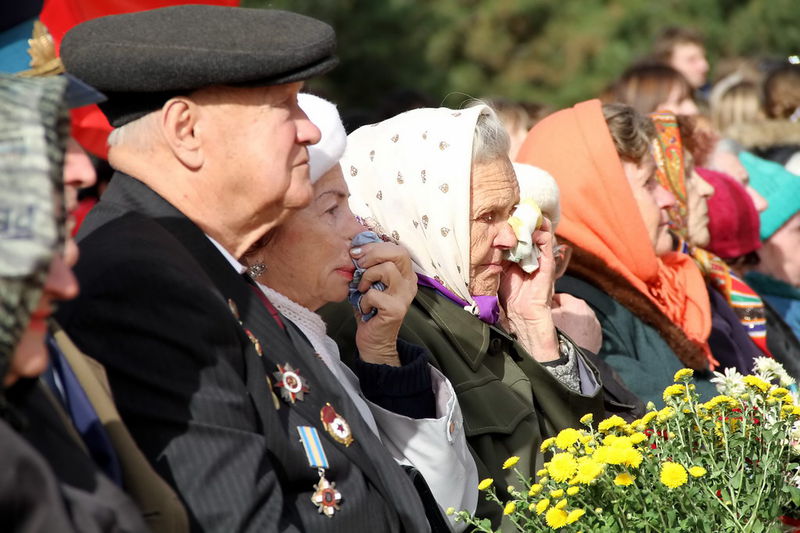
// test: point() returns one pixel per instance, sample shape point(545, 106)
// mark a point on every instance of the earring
point(256, 270)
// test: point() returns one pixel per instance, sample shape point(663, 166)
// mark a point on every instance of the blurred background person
point(684, 50)
point(654, 87)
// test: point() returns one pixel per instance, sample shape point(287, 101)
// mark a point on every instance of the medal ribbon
point(313, 447)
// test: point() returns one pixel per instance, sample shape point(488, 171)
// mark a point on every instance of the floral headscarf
point(748, 306)
point(409, 179)
point(34, 127)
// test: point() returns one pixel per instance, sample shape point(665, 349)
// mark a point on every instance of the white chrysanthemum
point(730, 383)
point(769, 369)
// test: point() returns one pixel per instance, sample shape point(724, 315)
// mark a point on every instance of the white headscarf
point(324, 155)
point(409, 177)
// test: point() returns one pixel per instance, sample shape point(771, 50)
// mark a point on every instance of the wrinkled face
point(678, 103)
point(308, 260)
point(493, 194)
point(690, 60)
point(254, 142)
point(653, 200)
point(698, 191)
point(727, 162)
point(779, 257)
point(30, 357)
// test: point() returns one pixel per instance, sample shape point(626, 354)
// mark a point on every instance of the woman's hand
point(575, 318)
point(390, 264)
point(527, 300)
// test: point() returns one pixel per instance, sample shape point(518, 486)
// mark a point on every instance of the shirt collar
point(240, 268)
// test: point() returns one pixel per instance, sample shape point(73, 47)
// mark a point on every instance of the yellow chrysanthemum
point(510, 462)
point(542, 472)
point(684, 374)
point(647, 418)
point(586, 439)
point(542, 505)
point(637, 425)
point(485, 484)
point(572, 491)
point(588, 470)
point(567, 438)
point(697, 471)
point(673, 475)
point(556, 518)
point(535, 489)
point(779, 391)
point(575, 515)
point(719, 400)
point(510, 508)
point(673, 390)
point(796, 411)
point(756, 382)
point(556, 493)
point(561, 504)
point(624, 479)
point(638, 437)
point(610, 423)
point(665, 414)
point(450, 511)
point(562, 466)
point(587, 419)
point(547, 443)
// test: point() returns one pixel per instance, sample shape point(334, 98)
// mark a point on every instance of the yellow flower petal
point(697, 471)
point(684, 374)
point(510, 508)
point(511, 461)
point(556, 518)
point(587, 419)
point(673, 475)
point(575, 515)
point(624, 479)
point(542, 505)
point(485, 484)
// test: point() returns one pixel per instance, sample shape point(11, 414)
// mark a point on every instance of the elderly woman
point(439, 183)
point(734, 340)
point(776, 277)
point(652, 303)
point(405, 401)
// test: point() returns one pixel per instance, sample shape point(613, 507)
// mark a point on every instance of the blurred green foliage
point(556, 52)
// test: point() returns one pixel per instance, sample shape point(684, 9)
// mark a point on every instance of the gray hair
point(491, 140)
point(138, 133)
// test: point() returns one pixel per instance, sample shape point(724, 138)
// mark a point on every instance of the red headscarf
point(599, 214)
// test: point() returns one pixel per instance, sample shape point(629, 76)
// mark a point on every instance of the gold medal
point(335, 424)
point(326, 497)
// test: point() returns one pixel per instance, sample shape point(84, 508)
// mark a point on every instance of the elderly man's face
point(256, 144)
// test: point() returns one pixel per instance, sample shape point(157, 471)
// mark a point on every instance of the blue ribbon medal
point(325, 496)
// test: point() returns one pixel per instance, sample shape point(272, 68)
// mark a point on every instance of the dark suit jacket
point(95, 504)
point(154, 310)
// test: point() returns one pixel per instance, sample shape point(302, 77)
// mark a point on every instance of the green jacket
point(510, 402)
point(636, 350)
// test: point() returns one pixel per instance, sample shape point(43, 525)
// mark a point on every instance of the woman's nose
point(505, 239)
point(664, 198)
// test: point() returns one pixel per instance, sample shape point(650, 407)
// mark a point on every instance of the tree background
point(555, 52)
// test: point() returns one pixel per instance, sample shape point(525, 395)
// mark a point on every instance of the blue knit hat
point(778, 186)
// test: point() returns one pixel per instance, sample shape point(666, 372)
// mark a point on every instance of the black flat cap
point(140, 60)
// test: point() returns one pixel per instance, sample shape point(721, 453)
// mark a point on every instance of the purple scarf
point(488, 306)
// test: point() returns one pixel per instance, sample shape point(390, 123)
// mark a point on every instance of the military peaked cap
point(140, 60)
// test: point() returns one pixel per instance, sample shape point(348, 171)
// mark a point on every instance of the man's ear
point(179, 119)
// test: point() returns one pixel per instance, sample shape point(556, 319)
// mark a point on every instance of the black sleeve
point(174, 361)
point(407, 389)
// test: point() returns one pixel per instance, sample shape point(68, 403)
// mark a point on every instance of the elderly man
point(222, 395)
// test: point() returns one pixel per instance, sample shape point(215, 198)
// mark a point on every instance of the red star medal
point(335, 424)
point(289, 382)
point(326, 497)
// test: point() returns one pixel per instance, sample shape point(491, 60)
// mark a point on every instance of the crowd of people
point(269, 323)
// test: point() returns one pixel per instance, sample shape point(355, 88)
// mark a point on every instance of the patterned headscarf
point(748, 306)
point(34, 128)
point(668, 151)
point(409, 177)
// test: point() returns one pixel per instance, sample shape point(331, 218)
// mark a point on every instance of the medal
point(254, 340)
point(325, 496)
point(275, 400)
point(289, 382)
point(335, 424)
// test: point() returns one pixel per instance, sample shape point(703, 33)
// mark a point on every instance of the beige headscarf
point(409, 177)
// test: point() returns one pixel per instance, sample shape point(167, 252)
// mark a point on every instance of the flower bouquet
point(722, 465)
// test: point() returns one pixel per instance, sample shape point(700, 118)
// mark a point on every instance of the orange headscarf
point(599, 214)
